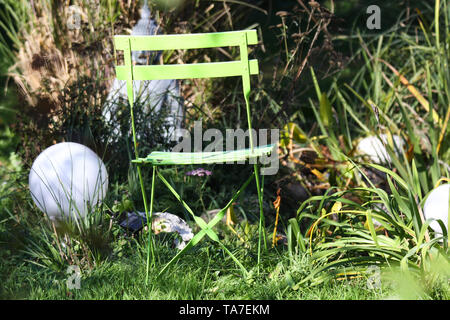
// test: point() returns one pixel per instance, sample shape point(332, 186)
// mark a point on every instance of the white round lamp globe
point(374, 148)
point(437, 207)
point(67, 179)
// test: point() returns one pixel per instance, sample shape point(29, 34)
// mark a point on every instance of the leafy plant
point(353, 227)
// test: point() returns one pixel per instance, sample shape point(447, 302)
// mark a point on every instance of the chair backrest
point(243, 67)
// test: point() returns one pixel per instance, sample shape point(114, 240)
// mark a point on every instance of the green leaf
point(392, 174)
point(371, 227)
point(293, 223)
point(325, 111)
point(298, 135)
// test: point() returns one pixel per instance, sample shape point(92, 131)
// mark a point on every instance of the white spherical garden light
point(437, 206)
point(375, 149)
point(67, 178)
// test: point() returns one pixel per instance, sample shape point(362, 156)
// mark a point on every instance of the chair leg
point(150, 225)
point(148, 216)
point(262, 230)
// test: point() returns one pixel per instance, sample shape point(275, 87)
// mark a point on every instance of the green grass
point(33, 268)
point(197, 276)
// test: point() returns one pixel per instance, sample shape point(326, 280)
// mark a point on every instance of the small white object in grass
point(374, 148)
point(437, 207)
point(168, 222)
point(67, 178)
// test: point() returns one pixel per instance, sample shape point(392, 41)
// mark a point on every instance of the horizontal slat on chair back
point(186, 71)
point(185, 41)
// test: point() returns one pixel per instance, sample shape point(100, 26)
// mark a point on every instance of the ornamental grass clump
point(360, 222)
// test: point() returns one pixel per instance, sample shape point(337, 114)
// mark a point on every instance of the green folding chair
point(243, 68)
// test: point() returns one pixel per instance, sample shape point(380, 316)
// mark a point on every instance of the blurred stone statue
point(161, 96)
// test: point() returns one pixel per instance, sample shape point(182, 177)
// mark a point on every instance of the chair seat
point(180, 158)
